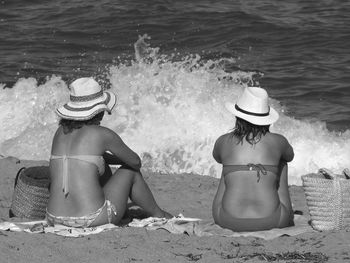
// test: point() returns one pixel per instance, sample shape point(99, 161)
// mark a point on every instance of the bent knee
point(127, 170)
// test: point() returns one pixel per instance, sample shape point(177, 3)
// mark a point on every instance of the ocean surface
point(173, 65)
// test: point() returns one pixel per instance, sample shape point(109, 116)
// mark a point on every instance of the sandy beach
point(189, 194)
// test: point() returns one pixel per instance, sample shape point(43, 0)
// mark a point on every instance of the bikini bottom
point(252, 224)
point(82, 221)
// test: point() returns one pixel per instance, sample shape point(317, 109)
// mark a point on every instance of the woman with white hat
point(253, 191)
point(83, 191)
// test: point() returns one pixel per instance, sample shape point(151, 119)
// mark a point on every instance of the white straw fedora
point(253, 107)
point(86, 100)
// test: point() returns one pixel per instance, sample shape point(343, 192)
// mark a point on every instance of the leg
point(127, 183)
point(106, 176)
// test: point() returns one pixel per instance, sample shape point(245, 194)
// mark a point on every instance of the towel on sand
point(42, 227)
point(198, 227)
point(175, 225)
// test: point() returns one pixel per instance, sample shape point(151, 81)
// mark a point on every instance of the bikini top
point(96, 160)
point(259, 168)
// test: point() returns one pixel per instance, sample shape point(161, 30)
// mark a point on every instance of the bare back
point(85, 192)
point(249, 194)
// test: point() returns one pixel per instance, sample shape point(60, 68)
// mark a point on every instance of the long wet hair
point(70, 125)
point(250, 132)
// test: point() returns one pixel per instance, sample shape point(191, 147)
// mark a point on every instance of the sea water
point(172, 84)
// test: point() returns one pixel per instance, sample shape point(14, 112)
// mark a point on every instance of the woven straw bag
point(31, 193)
point(328, 199)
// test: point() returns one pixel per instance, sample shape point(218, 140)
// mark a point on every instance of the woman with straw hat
point(253, 191)
point(83, 191)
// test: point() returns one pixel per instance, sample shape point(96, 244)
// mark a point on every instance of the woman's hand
point(111, 159)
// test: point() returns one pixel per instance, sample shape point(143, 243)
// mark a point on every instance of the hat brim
point(84, 111)
point(257, 120)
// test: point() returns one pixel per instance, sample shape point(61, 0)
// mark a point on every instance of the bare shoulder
point(100, 129)
point(100, 133)
point(220, 146)
point(223, 138)
point(285, 147)
point(278, 138)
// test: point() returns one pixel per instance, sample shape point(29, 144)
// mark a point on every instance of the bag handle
point(346, 172)
point(18, 173)
point(328, 174)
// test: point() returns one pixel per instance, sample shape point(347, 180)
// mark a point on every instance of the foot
point(163, 214)
point(167, 215)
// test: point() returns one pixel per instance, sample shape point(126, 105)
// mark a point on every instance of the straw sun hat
point(86, 100)
point(253, 107)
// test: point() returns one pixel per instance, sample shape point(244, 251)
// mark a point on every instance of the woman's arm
point(217, 149)
point(111, 159)
point(120, 152)
point(287, 150)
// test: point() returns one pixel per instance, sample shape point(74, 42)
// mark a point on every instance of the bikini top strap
point(259, 168)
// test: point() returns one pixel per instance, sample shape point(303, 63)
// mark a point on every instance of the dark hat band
point(90, 107)
point(252, 113)
point(86, 98)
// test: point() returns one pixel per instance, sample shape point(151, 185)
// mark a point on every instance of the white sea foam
point(169, 112)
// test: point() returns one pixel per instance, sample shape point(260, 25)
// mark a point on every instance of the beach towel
point(42, 227)
point(198, 227)
point(176, 225)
